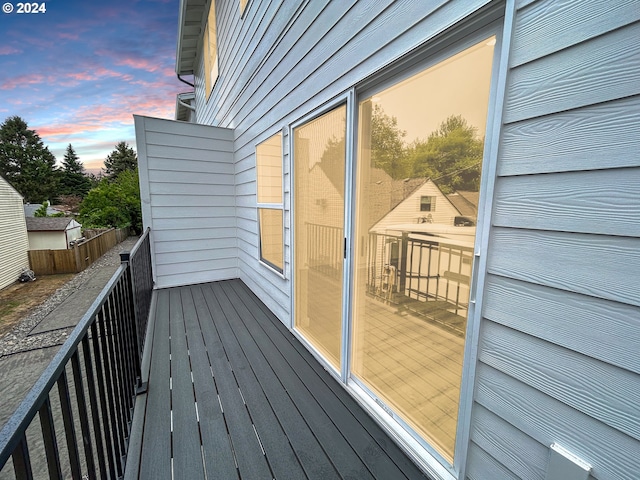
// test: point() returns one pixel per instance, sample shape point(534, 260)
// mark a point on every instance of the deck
point(233, 394)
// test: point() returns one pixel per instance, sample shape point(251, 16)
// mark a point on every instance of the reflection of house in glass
point(421, 261)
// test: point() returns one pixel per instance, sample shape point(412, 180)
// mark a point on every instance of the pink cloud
point(22, 80)
point(7, 50)
point(119, 111)
point(140, 64)
point(68, 36)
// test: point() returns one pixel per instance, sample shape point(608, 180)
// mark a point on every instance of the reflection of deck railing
point(408, 269)
point(325, 249)
point(97, 374)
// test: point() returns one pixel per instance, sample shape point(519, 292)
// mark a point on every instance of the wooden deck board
point(185, 430)
point(281, 458)
point(246, 446)
point(368, 444)
point(314, 462)
point(155, 461)
point(340, 451)
point(298, 422)
point(216, 448)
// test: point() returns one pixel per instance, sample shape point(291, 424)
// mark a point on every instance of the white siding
point(14, 242)
point(408, 211)
point(187, 189)
point(47, 241)
point(558, 352)
point(283, 60)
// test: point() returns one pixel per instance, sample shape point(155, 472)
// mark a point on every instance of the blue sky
point(78, 72)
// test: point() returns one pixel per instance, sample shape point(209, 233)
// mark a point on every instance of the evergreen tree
point(73, 180)
point(26, 163)
point(71, 162)
point(121, 159)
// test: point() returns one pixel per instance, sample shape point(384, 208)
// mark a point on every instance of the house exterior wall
point(14, 242)
point(281, 61)
point(408, 211)
point(47, 241)
point(187, 191)
point(73, 232)
point(557, 344)
point(558, 351)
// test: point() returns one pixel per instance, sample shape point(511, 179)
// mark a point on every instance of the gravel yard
point(18, 339)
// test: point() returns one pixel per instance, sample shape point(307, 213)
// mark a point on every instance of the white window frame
point(272, 206)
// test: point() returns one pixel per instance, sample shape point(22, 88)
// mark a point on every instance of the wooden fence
point(76, 259)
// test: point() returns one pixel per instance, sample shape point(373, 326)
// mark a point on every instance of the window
point(269, 200)
point(427, 204)
point(210, 50)
point(243, 4)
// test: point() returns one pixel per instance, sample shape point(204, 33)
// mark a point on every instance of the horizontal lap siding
point(282, 61)
point(557, 359)
point(14, 241)
point(188, 185)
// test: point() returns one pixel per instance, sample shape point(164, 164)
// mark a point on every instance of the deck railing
point(325, 248)
point(83, 430)
point(420, 268)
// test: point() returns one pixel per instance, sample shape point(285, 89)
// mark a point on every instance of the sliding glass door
point(401, 314)
point(420, 149)
point(318, 176)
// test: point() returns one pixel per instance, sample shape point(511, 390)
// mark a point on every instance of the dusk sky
point(77, 73)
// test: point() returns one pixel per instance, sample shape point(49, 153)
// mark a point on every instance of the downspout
point(184, 81)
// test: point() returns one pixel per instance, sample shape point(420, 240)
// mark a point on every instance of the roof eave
point(190, 17)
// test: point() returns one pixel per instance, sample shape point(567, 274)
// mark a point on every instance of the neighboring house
point(54, 233)
point(545, 377)
point(427, 204)
point(14, 242)
point(30, 209)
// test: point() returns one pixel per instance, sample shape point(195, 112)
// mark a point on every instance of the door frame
point(496, 19)
point(344, 99)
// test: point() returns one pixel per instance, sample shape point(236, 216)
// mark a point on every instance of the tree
point(26, 163)
point(387, 144)
point(42, 210)
point(113, 203)
point(73, 180)
point(451, 156)
point(122, 158)
point(71, 162)
point(71, 203)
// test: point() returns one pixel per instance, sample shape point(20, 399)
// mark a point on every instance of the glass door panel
point(319, 166)
point(420, 147)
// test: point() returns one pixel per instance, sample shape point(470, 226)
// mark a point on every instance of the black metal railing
point(422, 268)
point(83, 430)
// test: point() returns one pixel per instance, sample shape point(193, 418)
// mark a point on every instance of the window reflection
point(420, 157)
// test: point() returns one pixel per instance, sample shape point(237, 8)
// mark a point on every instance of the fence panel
point(51, 262)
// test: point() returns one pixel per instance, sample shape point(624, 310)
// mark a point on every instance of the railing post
point(403, 263)
point(125, 259)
